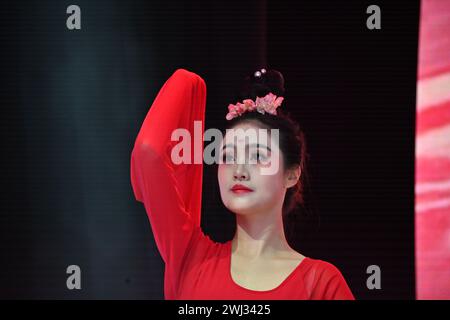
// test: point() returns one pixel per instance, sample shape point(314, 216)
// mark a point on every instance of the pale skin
point(261, 256)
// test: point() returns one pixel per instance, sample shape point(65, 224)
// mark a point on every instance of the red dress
point(197, 267)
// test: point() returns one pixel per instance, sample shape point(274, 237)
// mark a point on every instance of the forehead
point(242, 132)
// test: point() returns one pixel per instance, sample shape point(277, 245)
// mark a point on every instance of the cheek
point(223, 178)
point(271, 185)
point(222, 175)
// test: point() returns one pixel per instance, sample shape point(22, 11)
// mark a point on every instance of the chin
point(242, 209)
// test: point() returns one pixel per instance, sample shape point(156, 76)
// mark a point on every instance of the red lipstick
point(239, 188)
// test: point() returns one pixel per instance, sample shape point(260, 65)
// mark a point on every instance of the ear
point(292, 177)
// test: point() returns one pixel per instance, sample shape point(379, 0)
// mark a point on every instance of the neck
point(259, 235)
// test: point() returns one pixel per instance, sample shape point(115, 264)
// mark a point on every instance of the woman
point(257, 263)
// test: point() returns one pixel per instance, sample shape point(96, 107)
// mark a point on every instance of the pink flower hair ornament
point(269, 103)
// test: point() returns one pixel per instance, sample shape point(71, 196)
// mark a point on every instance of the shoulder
point(323, 268)
point(326, 281)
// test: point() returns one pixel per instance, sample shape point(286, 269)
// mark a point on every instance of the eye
point(226, 158)
point(259, 156)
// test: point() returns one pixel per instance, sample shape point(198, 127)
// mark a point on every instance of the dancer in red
point(257, 264)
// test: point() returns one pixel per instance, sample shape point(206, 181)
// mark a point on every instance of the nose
point(240, 173)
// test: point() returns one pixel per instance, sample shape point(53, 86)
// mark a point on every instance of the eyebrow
point(249, 145)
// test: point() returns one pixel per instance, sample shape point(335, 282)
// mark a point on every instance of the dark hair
point(292, 138)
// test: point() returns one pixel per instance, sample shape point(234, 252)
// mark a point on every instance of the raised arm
point(170, 193)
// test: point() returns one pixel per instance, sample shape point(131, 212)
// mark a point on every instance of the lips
point(239, 188)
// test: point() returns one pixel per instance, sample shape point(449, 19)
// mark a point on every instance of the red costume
point(197, 267)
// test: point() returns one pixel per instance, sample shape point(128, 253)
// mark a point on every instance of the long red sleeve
point(171, 193)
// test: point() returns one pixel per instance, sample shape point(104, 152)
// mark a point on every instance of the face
point(245, 168)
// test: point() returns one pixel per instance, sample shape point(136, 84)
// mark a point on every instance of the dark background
point(73, 102)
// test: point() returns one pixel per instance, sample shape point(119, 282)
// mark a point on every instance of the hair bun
point(260, 83)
